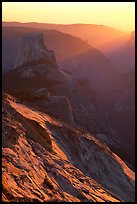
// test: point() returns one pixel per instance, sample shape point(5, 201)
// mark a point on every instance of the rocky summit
point(33, 50)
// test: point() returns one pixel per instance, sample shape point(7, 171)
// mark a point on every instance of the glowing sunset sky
point(120, 15)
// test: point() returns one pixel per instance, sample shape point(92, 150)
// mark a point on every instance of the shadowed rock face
point(33, 50)
point(122, 113)
point(114, 88)
point(64, 110)
point(41, 92)
point(57, 106)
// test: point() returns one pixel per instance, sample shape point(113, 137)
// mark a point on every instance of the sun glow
point(120, 15)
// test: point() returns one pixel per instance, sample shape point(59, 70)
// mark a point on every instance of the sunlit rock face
point(47, 160)
point(33, 49)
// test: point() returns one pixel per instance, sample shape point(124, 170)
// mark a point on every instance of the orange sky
point(120, 15)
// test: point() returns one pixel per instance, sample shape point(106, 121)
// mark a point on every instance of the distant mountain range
point(95, 35)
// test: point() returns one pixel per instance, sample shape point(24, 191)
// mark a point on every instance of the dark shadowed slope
point(114, 89)
point(94, 65)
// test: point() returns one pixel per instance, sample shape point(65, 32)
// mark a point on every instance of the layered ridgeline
point(95, 35)
point(50, 154)
point(64, 45)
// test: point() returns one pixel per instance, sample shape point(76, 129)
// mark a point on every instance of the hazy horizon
point(117, 15)
point(68, 24)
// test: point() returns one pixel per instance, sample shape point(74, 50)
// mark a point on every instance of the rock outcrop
point(33, 50)
point(45, 160)
point(61, 107)
point(58, 106)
